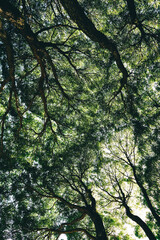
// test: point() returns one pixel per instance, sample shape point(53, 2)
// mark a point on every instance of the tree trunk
point(98, 223)
point(140, 222)
point(149, 204)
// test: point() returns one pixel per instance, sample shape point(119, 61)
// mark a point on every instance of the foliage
point(79, 110)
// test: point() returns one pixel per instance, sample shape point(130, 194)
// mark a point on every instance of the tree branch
point(67, 231)
point(77, 14)
point(11, 13)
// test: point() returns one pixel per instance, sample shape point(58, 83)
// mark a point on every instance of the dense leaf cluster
point(79, 111)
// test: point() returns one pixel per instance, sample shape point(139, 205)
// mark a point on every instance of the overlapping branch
point(12, 14)
point(74, 230)
point(77, 14)
point(138, 23)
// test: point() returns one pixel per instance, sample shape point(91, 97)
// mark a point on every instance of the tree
point(73, 75)
point(121, 168)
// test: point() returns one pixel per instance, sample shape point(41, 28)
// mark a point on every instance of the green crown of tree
point(79, 119)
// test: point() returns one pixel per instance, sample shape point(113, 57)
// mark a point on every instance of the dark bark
point(135, 218)
point(98, 223)
point(133, 16)
point(89, 210)
point(78, 15)
point(11, 77)
point(132, 10)
point(94, 215)
point(148, 201)
point(14, 16)
point(140, 222)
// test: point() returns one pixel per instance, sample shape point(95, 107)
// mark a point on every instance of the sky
point(62, 237)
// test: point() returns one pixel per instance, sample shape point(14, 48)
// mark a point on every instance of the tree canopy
point(80, 119)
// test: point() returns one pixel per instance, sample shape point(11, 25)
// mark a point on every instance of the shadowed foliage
point(79, 119)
